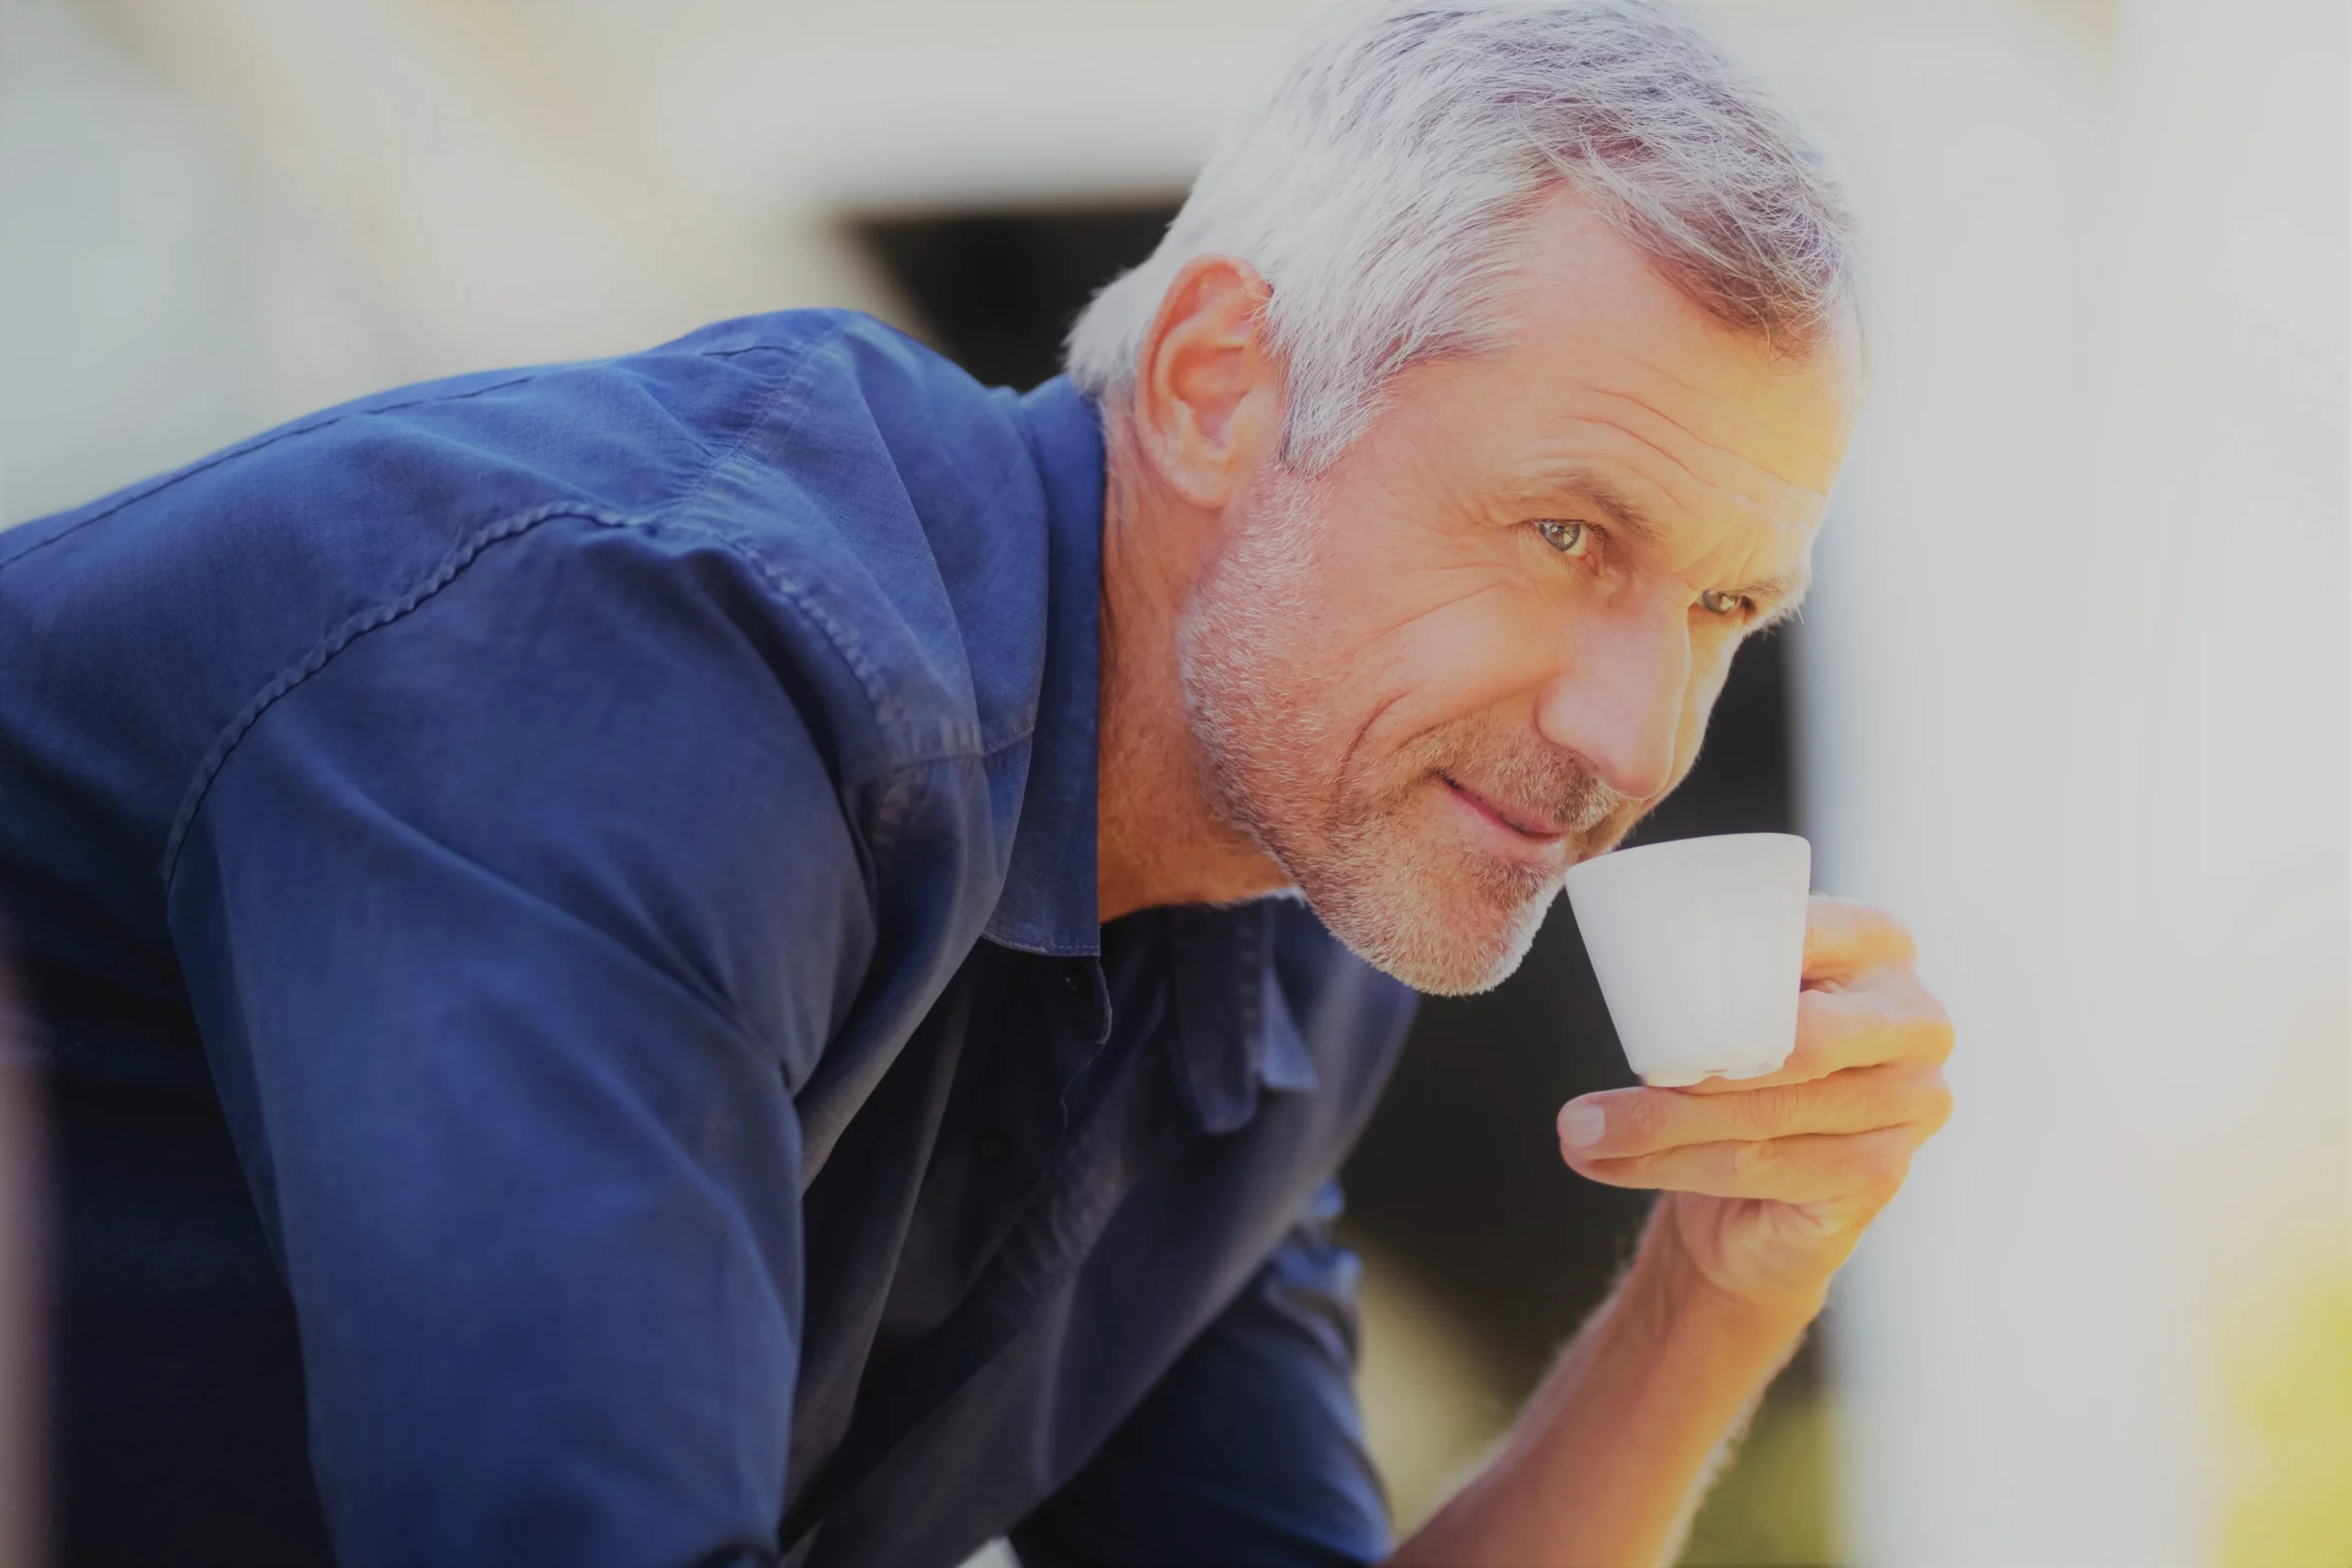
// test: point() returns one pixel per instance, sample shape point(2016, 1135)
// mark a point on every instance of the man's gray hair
point(1380, 182)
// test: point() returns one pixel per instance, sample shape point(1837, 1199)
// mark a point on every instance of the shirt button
point(992, 1146)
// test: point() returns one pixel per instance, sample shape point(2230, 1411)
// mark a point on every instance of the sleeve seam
point(216, 755)
point(672, 515)
point(452, 566)
point(374, 618)
point(247, 448)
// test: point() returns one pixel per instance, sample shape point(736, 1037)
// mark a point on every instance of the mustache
point(1550, 789)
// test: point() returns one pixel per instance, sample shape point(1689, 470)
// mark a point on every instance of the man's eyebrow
point(1780, 594)
point(1621, 509)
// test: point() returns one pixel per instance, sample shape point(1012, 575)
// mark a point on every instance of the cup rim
point(1686, 846)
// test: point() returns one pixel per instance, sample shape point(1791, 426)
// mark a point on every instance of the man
point(677, 961)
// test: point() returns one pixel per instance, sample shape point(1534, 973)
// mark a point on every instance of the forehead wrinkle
point(1736, 458)
point(1768, 484)
point(1762, 502)
point(1827, 457)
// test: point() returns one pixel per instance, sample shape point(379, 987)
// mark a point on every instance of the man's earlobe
point(1208, 396)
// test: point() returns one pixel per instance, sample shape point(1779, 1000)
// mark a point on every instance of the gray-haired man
point(681, 955)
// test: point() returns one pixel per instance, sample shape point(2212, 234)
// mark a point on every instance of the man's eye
point(1717, 602)
point(1569, 538)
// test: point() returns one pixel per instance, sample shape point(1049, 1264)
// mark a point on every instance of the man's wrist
point(1668, 1290)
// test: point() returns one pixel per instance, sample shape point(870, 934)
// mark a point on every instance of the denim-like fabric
point(556, 908)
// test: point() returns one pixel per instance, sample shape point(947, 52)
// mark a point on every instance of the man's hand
point(1768, 1185)
point(1769, 1182)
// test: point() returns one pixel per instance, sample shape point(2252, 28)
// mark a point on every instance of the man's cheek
point(1466, 641)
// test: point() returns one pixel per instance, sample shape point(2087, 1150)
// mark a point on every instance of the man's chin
point(1434, 949)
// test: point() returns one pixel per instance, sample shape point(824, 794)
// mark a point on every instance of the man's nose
point(1617, 701)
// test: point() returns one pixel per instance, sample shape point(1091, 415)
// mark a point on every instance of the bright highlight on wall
point(2075, 702)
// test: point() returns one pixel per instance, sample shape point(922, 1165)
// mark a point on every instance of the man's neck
point(1157, 838)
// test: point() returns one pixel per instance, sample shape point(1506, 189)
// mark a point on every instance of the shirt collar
point(1050, 902)
point(1235, 1032)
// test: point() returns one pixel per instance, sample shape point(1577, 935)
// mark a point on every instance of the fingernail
point(1581, 1125)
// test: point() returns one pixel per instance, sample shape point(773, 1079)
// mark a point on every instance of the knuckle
point(1888, 1168)
point(1887, 1183)
point(1773, 1112)
point(1750, 1160)
point(1823, 1018)
point(1878, 1195)
point(1635, 1171)
point(1885, 938)
point(1885, 927)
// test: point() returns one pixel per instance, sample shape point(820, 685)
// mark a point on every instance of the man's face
point(1484, 642)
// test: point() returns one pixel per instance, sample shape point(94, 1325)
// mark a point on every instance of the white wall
point(218, 214)
point(2075, 702)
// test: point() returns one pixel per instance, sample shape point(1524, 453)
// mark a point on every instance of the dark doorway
point(998, 289)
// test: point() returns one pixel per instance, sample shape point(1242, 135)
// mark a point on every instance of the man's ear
point(1208, 399)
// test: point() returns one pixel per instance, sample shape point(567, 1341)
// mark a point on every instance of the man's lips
point(1526, 824)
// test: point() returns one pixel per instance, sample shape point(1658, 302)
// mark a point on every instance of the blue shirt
point(558, 908)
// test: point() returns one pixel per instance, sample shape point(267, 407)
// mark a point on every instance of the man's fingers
point(1895, 1020)
point(1843, 939)
point(1628, 1122)
point(1813, 1169)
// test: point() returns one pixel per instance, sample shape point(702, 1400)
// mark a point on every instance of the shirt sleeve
point(1251, 1452)
point(511, 931)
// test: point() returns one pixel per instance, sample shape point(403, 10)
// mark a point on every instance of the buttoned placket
point(1099, 1148)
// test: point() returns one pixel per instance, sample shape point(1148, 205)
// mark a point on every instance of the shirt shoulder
point(882, 492)
point(872, 518)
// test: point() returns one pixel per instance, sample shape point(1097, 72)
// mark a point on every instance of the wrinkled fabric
point(557, 912)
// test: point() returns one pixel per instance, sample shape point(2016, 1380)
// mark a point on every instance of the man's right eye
point(1569, 538)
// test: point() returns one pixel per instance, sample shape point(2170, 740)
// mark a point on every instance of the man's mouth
point(1530, 825)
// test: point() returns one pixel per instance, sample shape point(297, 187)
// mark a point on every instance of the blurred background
point(2072, 694)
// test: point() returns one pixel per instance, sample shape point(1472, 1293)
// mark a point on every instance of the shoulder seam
point(382, 615)
point(669, 517)
point(245, 449)
point(289, 432)
point(335, 642)
point(452, 566)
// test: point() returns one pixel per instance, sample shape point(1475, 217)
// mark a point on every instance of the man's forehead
point(1712, 509)
point(1593, 324)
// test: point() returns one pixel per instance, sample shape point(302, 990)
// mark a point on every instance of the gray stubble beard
point(1393, 898)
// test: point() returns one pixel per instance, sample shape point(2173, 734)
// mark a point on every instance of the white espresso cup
point(1698, 944)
